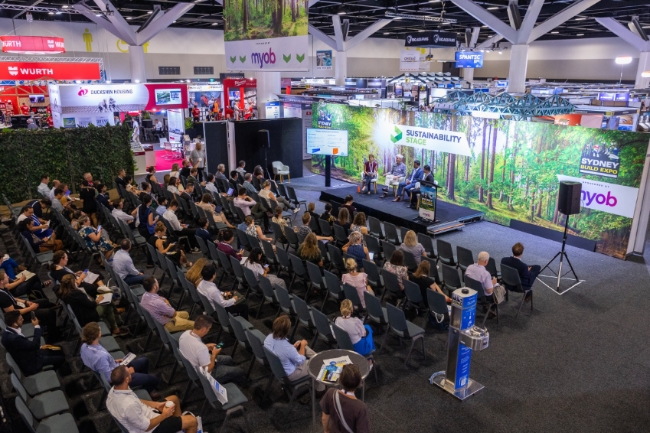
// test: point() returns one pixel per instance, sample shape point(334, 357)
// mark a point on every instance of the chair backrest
point(322, 324)
point(207, 390)
point(409, 261)
point(445, 252)
point(152, 253)
point(15, 369)
point(242, 238)
point(301, 237)
point(325, 228)
point(292, 238)
point(276, 366)
point(283, 298)
point(313, 270)
point(301, 309)
point(256, 343)
point(237, 268)
point(433, 268)
point(251, 279)
point(332, 283)
point(339, 233)
point(292, 193)
point(352, 294)
point(267, 288)
point(222, 316)
point(336, 256)
point(373, 307)
point(298, 268)
point(190, 287)
point(283, 258)
point(282, 190)
point(374, 227)
point(20, 389)
point(397, 320)
point(267, 248)
point(391, 281)
point(391, 233)
point(343, 339)
point(427, 243)
point(450, 276)
point(437, 302)
point(253, 241)
point(372, 243)
point(314, 225)
point(224, 260)
point(238, 329)
point(510, 278)
point(491, 267)
point(207, 305)
point(25, 414)
point(412, 291)
point(388, 249)
point(465, 257)
point(475, 285)
point(371, 269)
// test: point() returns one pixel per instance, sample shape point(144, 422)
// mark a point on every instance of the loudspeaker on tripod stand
point(569, 198)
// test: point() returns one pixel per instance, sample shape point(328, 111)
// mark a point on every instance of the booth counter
point(144, 156)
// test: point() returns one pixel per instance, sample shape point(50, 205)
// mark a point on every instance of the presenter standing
point(398, 172)
point(370, 168)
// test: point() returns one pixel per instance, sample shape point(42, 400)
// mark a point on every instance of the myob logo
point(398, 135)
point(13, 70)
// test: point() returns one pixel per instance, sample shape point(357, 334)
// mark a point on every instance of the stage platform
point(448, 216)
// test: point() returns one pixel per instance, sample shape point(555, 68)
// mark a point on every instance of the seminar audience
point(161, 310)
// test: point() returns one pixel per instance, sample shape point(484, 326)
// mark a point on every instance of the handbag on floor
point(499, 293)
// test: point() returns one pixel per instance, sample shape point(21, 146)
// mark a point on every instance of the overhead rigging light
point(624, 60)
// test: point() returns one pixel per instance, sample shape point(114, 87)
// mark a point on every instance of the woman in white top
point(360, 334)
point(173, 185)
point(254, 263)
point(175, 170)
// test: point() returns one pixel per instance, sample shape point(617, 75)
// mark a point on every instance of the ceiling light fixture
point(149, 12)
point(214, 24)
point(581, 19)
point(128, 18)
point(50, 13)
point(492, 8)
point(555, 33)
point(421, 31)
point(387, 33)
point(624, 60)
point(65, 6)
point(645, 74)
point(341, 11)
point(580, 34)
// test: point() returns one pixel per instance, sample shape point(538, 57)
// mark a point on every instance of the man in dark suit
point(234, 181)
point(527, 274)
point(30, 356)
point(410, 181)
point(119, 180)
point(202, 230)
point(415, 192)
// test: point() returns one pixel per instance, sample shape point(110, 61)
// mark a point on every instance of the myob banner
point(429, 139)
point(606, 197)
point(280, 54)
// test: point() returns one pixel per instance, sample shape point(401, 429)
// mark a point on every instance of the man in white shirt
point(141, 416)
point(43, 189)
point(180, 229)
point(251, 207)
point(118, 213)
point(55, 185)
point(209, 184)
point(208, 289)
point(123, 265)
point(200, 354)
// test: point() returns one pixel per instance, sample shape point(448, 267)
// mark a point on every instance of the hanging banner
point(429, 139)
point(606, 197)
point(54, 71)
point(262, 37)
point(412, 60)
point(324, 60)
point(431, 39)
point(32, 44)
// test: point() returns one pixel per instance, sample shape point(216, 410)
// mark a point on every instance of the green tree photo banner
point(513, 168)
point(63, 154)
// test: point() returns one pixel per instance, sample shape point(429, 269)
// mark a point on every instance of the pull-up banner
point(429, 139)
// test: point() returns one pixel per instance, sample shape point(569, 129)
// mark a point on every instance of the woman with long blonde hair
point(360, 334)
point(424, 281)
point(193, 274)
point(309, 250)
point(412, 245)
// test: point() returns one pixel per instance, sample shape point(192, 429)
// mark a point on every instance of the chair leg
point(162, 349)
point(313, 342)
point(268, 387)
point(187, 391)
point(250, 367)
point(260, 309)
point(424, 354)
point(523, 299)
point(234, 349)
point(171, 376)
point(410, 350)
point(223, 426)
point(383, 343)
point(146, 344)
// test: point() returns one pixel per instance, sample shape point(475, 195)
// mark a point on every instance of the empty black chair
point(465, 258)
point(402, 328)
point(374, 311)
point(299, 272)
point(438, 306)
point(325, 228)
point(491, 267)
point(388, 249)
point(375, 279)
point(445, 253)
point(409, 261)
point(391, 234)
point(374, 227)
point(427, 243)
point(340, 236)
point(334, 290)
point(450, 278)
point(373, 245)
point(336, 258)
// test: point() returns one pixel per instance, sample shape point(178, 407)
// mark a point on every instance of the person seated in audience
point(210, 185)
point(41, 209)
point(327, 214)
point(185, 170)
point(94, 240)
point(304, 229)
point(56, 200)
point(43, 188)
point(311, 208)
point(347, 203)
point(39, 245)
point(161, 310)
point(162, 206)
point(309, 251)
point(66, 200)
point(40, 227)
point(255, 263)
point(352, 411)
point(118, 213)
point(59, 269)
point(151, 175)
point(160, 242)
point(234, 181)
point(226, 239)
point(88, 194)
point(207, 204)
point(189, 195)
point(356, 248)
point(180, 229)
point(41, 306)
point(231, 302)
point(130, 187)
point(241, 167)
point(30, 356)
point(424, 281)
point(74, 219)
point(146, 218)
point(166, 181)
point(527, 274)
point(344, 219)
point(140, 416)
point(248, 184)
point(359, 224)
point(21, 286)
point(358, 280)
point(172, 186)
point(412, 245)
point(267, 194)
point(194, 175)
point(478, 272)
point(102, 196)
point(145, 188)
point(370, 172)
point(251, 207)
point(283, 223)
point(124, 267)
point(88, 309)
point(254, 230)
point(396, 266)
point(98, 359)
point(175, 171)
point(55, 184)
point(294, 357)
point(409, 182)
point(258, 177)
point(11, 266)
point(221, 172)
point(202, 226)
point(208, 356)
point(119, 180)
point(193, 274)
point(360, 334)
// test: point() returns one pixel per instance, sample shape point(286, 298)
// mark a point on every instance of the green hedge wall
point(63, 154)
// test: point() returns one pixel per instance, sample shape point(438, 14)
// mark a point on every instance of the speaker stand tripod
point(562, 254)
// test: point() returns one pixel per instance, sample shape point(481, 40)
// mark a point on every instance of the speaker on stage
point(264, 138)
point(569, 198)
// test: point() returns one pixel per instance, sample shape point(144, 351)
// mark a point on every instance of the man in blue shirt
point(98, 359)
point(123, 265)
point(397, 172)
point(409, 183)
point(294, 357)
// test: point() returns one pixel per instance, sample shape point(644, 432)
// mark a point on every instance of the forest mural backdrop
point(512, 173)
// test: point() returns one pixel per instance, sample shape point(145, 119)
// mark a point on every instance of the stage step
point(438, 229)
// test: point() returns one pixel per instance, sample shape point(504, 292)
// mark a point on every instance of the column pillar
point(518, 65)
point(341, 67)
point(644, 65)
point(468, 75)
point(268, 87)
point(136, 58)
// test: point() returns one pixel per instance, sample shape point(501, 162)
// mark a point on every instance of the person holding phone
point(161, 243)
point(227, 300)
point(59, 269)
point(97, 358)
point(226, 238)
point(254, 263)
point(94, 240)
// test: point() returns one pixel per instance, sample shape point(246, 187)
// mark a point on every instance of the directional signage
point(431, 39)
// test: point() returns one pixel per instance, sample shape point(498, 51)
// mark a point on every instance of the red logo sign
point(32, 44)
point(82, 92)
point(55, 71)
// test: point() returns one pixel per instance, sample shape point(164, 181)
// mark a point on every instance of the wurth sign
point(32, 44)
point(51, 70)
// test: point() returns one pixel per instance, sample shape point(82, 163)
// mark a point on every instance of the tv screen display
point(327, 142)
point(36, 99)
point(168, 97)
point(469, 59)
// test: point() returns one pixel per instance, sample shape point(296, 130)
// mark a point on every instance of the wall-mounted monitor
point(332, 142)
point(168, 96)
point(469, 59)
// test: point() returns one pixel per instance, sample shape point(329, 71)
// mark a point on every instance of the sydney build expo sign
point(600, 161)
